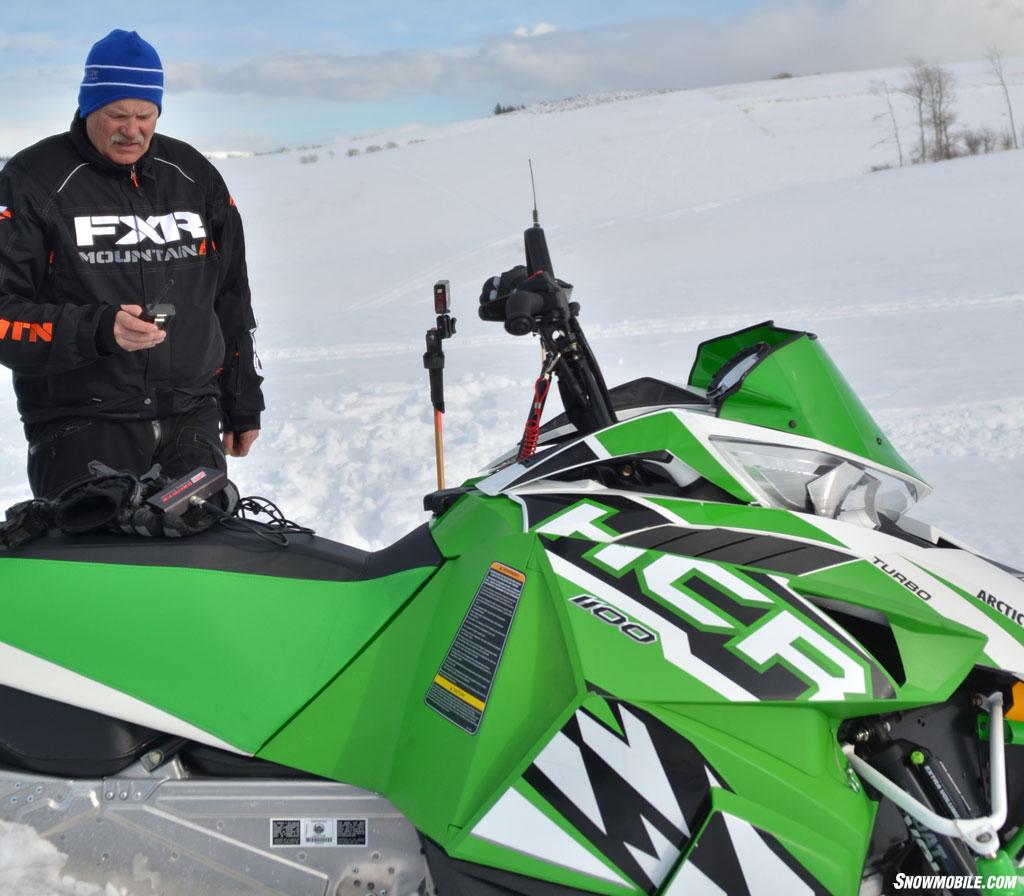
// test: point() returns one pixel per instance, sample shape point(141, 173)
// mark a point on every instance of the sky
point(252, 76)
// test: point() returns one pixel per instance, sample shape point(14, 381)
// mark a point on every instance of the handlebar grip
point(520, 310)
point(493, 311)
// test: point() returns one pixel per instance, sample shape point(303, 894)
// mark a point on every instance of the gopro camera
point(442, 297)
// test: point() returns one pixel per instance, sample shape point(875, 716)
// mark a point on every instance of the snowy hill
point(677, 216)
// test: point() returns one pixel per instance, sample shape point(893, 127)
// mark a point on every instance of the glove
point(496, 289)
point(26, 521)
point(96, 503)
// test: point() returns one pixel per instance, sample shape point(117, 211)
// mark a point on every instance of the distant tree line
point(932, 90)
point(499, 109)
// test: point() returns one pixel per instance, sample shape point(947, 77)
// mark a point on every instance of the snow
point(31, 866)
point(678, 216)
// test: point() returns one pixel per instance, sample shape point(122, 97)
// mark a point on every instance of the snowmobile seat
point(42, 735)
point(237, 550)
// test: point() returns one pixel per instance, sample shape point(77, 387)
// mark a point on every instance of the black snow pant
point(59, 451)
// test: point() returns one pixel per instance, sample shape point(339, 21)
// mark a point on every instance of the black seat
point(53, 738)
point(237, 550)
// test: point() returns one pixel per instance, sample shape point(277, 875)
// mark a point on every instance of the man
point(97, 225)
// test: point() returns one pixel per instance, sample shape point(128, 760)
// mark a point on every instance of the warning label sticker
point(318, 832)
point(462, 685)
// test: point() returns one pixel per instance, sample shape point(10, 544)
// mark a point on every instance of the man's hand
point(237, 444)
point(134, 334)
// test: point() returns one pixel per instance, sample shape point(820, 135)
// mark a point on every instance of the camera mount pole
point(433, 361)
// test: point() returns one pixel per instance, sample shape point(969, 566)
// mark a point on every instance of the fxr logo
point(159, 229)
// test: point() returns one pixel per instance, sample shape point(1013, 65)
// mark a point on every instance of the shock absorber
point(925, 777)
point(924, 791)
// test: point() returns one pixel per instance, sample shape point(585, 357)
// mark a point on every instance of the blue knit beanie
point(121, 66)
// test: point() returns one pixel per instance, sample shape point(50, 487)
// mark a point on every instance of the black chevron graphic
point(622, 807)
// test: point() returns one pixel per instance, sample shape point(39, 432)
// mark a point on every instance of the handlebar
point(527, 303)
point(539, 303)
point(530, 299)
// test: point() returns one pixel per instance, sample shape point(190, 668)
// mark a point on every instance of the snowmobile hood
point(785, 380)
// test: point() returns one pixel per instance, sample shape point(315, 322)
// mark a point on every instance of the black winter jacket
point(81, 235)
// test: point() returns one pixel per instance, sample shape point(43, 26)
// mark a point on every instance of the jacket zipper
point(142, 276)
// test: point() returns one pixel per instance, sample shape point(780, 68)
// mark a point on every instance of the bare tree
point(972, 142)
point(981, 141)
point(933, 89)
point(881, 88)
point(995, 60)
point(941, 93)
point(915, 88)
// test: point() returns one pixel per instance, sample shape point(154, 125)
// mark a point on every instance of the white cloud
point(799, 36)
point(538, 30)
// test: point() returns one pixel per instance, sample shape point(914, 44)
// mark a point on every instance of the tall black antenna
point(533, 185)
point(537, 256)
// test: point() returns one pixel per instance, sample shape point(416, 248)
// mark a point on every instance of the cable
point(273, 532)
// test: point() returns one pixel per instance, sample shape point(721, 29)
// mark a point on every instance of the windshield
point(785, 380)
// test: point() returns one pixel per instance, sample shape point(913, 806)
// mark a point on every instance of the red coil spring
point(531, 432)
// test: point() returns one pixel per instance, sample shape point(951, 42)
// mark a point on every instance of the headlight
point(818, 482)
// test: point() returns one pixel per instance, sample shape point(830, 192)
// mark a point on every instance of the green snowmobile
point(683, 640)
